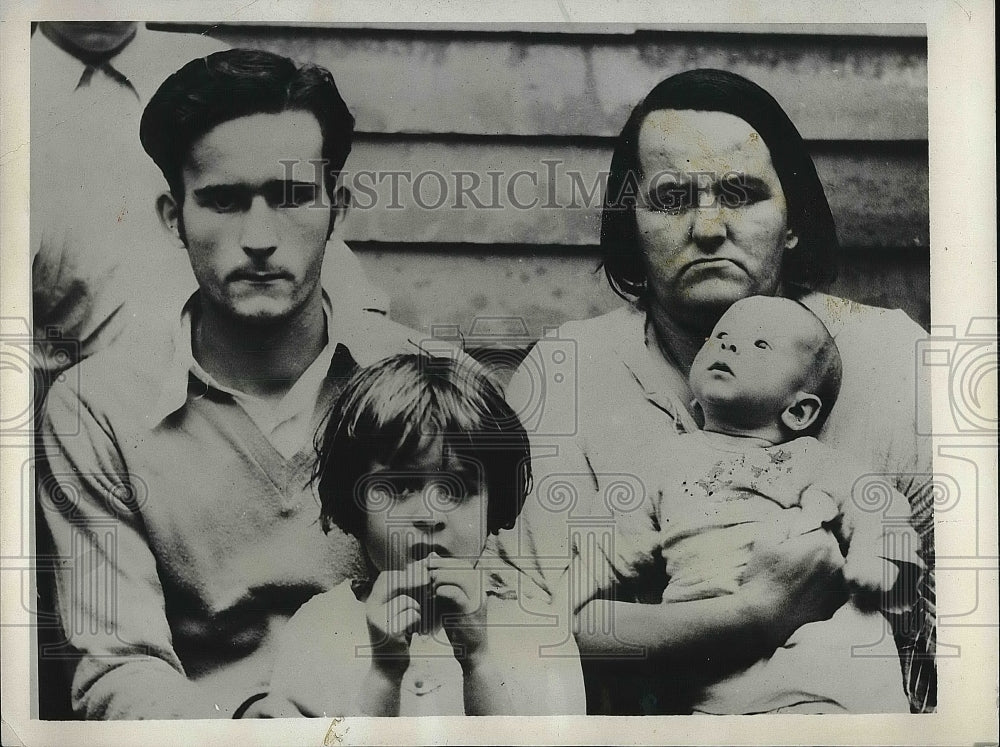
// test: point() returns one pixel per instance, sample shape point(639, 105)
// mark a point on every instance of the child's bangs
point(400, 420)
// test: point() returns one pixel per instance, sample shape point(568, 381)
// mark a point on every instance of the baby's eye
point(762, 344)
point(722, 336)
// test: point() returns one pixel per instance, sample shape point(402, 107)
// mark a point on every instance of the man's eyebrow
point(209, 189)
point(267, 187)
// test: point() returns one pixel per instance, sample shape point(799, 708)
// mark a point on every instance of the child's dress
point(323, 658)
point(695, 533)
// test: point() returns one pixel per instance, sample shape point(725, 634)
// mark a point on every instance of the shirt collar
point(345, 325)
point(651, 372)
point(63, 70)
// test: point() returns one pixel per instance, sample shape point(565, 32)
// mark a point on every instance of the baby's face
point(758, 357)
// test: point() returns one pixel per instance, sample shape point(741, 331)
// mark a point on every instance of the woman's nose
point(708, 229)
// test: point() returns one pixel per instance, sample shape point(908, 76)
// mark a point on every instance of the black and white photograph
point(380, 368)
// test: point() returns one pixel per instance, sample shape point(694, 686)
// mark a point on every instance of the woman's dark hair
point(813, 262)
point(395, 410)
point(237, 83)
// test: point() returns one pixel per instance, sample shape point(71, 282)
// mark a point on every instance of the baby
point(765, 382)
point(421, 459)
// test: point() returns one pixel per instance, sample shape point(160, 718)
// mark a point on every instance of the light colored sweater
point(185, 542)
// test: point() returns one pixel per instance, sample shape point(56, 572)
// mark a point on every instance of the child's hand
point(394, 614)
point(461, 600)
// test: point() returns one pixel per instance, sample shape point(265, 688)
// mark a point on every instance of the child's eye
point(721, 336)
point(762, 344)
point(445, 494)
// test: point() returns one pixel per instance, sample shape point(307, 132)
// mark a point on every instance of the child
point(765, 381)
point(420, 460)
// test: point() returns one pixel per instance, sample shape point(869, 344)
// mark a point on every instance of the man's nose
point(259, 237)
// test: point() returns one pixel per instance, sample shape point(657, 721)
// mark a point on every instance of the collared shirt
point(201, 538)
point(285, 423)
point(97, 245)
point(96, 241)
point(609, 389)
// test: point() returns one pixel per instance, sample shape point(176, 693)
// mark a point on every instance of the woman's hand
point(458, 592)
point(394, 614)
point(797, 581)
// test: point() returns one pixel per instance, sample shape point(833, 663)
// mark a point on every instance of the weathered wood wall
point(446, 100)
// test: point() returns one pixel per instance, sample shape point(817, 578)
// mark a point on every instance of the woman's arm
point(785, 586)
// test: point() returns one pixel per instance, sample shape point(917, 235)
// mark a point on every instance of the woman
point(711, 197)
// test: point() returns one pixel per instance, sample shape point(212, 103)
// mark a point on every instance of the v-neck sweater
point(184, 542)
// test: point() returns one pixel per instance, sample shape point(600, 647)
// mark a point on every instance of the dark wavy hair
point(813, 262)
point(392, 411)
point(237, 83)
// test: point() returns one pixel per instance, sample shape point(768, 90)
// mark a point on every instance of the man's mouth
point(259, 277)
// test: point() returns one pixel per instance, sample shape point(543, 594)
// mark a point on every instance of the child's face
point(436, 503)
point(757, 359)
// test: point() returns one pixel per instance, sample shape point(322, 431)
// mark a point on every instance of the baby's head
point(422, 454)
point(770, 369)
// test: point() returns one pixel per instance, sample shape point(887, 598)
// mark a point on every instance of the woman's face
point(711, 214)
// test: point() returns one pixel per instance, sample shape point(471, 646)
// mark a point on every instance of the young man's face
point(255, 228)
point(759, 356)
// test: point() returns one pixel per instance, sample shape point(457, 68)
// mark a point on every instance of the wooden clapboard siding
point(478, 98)
point(399, 80)
point(460, 286)
point(878, 192)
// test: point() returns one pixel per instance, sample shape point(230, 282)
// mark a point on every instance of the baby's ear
point(802, 413)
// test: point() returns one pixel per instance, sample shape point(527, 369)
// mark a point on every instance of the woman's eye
point(762, 344)
point(740, 191)
point(672, 199)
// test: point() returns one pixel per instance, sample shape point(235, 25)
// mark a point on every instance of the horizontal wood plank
point(509, 296)
point(412, 191)
point(412, 80)
point(575, 30)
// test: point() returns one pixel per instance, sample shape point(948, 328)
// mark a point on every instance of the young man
point(95, 238)
point(179, 497)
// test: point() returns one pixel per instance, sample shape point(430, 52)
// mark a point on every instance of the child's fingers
point(435, 562)
point(455, 599)
point(392, 583)
point(405, 623)
point(468, 579)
